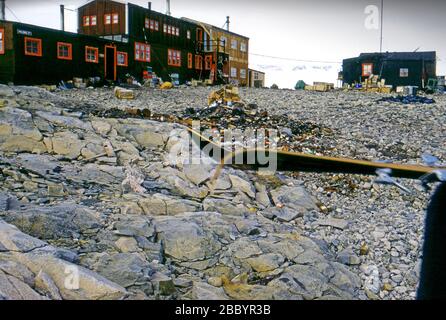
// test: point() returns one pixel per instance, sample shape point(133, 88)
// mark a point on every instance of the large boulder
point(295, 198)
point(184, 239)
point(54, 222)
point(18, 132)
point(67, 144)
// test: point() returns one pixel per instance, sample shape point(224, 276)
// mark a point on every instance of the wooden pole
point(381, 24)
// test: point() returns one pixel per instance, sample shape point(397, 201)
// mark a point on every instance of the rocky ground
point(93, 206)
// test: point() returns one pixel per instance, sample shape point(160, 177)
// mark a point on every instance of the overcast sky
point(308, 30)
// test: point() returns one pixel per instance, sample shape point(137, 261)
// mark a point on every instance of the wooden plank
point(295, 161)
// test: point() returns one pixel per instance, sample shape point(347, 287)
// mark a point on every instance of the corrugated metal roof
point(422, 55)
point(214, 27)
point(90, 2)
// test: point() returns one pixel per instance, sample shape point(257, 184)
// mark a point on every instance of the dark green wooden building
point(398, 68)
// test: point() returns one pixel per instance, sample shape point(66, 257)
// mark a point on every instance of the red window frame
point(70, 51)
point(145, 46)
point(115, 18)
point(199, 35)
point(39, 47)
point(96, 50)
point(208, 62)
point(107, 16)
point(2, 41)
point(174, 57)
point(151, 24)
point(171, 30)
point(126, 59)
point(189, 60)
point(366, 64)
point(95, 21)
point(198, 62)
point(86, 21)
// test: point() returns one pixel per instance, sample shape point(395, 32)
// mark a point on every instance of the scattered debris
point(166, 85)
point(410, 99)
point(227, 95)
point(122, 93)
point(320, 87)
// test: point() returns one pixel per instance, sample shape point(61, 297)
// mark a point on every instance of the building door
point(110, 63)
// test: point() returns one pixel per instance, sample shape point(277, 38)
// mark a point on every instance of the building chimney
point(168, 7)
point(227, 23)
point(2, 10)
point(150, 5)
point(62, 17)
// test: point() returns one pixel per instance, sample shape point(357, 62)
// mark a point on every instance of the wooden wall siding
point(99, 8)
point(159, 63)
point(137, 30)
point(48, 69)
point(160, 42)
point(252, 78)
point(238, 59)
point(7, 60)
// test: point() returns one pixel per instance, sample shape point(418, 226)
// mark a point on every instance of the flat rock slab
point(333, 222)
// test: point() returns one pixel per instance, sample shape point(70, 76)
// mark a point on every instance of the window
point(404, 72)
point(91, 54)
point(86, 21)
point(223, 42)
point(198, 62)
point(90, 21)
point(208, 62)
point(64, 51)
point(152, 24)
point(243, 73)
point(189, 60)
point(107, 18)
point(234, 72)
point(142, 52)
point(174, 58)
point(188, 34)
point(93, 20)
point(199, 35)
point(367, 69)
point(115, 18)
point(33, 47)
point(122, 59)
point(171, 30)
point(243, 47)
point(2, 41)
point(233, 44)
